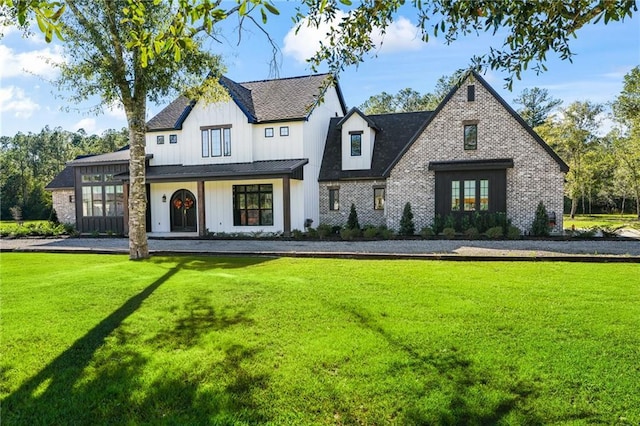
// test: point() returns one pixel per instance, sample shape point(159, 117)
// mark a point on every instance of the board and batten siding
point(355, 123)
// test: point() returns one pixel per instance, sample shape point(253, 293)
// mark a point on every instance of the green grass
point(584, 221)
point(90, 339)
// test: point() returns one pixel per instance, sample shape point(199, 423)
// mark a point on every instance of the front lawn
point(89, 339)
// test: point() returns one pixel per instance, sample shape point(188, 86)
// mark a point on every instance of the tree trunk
point(138, 245)
point(574, 206)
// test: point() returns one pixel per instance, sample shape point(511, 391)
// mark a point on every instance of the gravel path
point(403, 248)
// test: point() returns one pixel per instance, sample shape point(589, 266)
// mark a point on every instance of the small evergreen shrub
point(406, 221)
point(385, 232)
point(465, 223)
point(540, 226)
point(296, 234)
point(324, 230)
point(427, 232)
point(352, 221)
point(472, 233)
point(513, 232)
point(312, 233)
point(370, 232)
point(438, 224)
point(495, 232)
point(349, 234)
point(53, 217)
point(449, 222)
point(449, 232)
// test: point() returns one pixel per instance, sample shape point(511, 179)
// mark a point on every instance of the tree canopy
point(537, 105)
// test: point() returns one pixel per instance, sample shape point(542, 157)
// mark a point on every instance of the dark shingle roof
point(261, 101)
point(63, 180)
point(396, 131)
point(179, 172)
point(120, 156)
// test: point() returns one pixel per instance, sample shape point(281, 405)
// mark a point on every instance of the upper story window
point(216, 141)
point(284, 131)
point(173, 138)
point(471, 136)
point(160, 140)
point(268, 132)
point(356, 143)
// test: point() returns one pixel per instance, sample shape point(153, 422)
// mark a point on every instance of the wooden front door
point(183, 211)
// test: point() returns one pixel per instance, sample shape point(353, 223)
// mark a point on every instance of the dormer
point(358, 135)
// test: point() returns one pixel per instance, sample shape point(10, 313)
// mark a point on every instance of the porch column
point(202, 226)
point(125, 213)
point(286, 204)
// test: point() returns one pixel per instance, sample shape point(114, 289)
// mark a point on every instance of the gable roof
point(366, 118)
point(563, 166)
point(263, 101)
point(395, 131)
point(63, 180)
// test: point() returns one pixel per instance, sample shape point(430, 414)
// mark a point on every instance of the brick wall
point(535, 176)
point(359, 193)
point(65, 209)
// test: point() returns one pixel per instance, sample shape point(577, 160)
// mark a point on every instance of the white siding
point(278, 147)
point(356, 123)
point(161, 212)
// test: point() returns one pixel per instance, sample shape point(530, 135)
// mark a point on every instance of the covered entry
point(183, 211)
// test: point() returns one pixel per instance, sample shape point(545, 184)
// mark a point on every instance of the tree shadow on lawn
point(457, 384)
point(98, 379)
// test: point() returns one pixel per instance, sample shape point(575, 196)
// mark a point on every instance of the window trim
point(351, 141)
point(284, 130)
point(471, 93)
point(173, 139)
point(384, 196)
point(333, 191)
point(237, 211)
point(268, 132)
point(223, 130)
point(470, 125)
point(160, 140)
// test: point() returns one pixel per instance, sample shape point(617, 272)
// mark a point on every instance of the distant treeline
point(30, 161)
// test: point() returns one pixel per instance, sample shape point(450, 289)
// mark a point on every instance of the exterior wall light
point(164, 198)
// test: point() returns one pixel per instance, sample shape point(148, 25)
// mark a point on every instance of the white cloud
point(14, 101)
point(39, 62)
point(400, 36)
point(88, 124)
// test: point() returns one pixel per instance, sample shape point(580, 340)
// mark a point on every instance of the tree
point(126, 52)
point(626, 110)
point(573, 136)
point(352, 221)
point(532, 29)
point(407, 226)
point(408, 100)
point(537, 105)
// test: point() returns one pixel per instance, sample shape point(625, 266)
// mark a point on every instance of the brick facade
point(65, 209)
point(360, 193)
point(535, 177)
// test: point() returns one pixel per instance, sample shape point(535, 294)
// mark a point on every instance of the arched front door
point(183, 211)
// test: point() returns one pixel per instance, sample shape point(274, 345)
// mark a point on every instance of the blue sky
point(604, 54)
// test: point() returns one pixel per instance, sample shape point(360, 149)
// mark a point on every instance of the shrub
point(324, 230)
point(406, 221)
point(385, 232)
point(16, 213)
point(312, 233)
point(349, 234)
point(495, 232)
point(438, 224)
point(540, 226)
point(53, 217)
point(352, 221)
point(449, 222)
point(465, 223)
point(296, 234)
point(513, 232)
point(449, 232)
point(472, 233)
point(370, 232)
point(427, 232)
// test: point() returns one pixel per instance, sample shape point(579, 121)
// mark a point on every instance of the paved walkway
point(583, 250)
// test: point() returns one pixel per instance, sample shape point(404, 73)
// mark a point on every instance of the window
point(216, 141)
point(484, 195)
point(470, 136)
point(378, 198)
point(356, 144)
point(102, 200)
point(253, 205)
point(455, 195)
point(173, 138)
point(91, 178)
point(205, 143)
point(268, 132)
point(284, 131)
point(334, 199)
point(471, 93)
point(160, 140)
point(469, 195)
